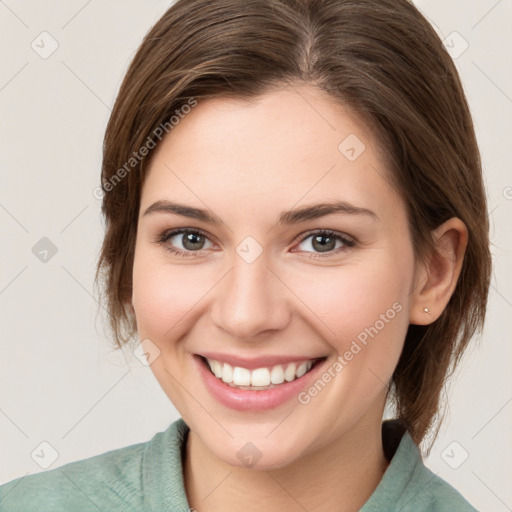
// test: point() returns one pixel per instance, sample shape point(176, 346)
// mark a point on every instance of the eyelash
point(348, 242)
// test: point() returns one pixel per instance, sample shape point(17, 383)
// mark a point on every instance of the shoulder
point(437, 494)
point(426, 491)
point(408, 485)
point(109, 481)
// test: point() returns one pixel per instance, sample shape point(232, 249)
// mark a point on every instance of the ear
point(436, 278)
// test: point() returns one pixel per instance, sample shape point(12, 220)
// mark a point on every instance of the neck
point(340, 476)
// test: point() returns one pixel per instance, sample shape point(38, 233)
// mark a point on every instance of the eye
point(184, 242)
point(326, 241)
point(190, 242)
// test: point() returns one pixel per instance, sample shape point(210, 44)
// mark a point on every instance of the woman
point(296, 231)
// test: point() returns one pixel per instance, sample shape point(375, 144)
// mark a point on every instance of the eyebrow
point(287, 218)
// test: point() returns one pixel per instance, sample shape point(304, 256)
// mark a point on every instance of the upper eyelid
point(179, 231)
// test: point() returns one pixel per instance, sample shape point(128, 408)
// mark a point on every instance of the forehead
point(290, 145)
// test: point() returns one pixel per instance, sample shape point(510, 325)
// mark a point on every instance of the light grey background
point(61, 382)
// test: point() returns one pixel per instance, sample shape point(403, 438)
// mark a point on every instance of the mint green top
point(149, 477)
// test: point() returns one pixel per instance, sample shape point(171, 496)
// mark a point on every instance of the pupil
point(190, 240)
point(322, 247)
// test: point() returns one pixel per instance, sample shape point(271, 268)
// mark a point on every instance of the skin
point(246, 162)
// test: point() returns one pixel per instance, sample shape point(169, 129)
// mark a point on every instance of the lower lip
point(251, 400)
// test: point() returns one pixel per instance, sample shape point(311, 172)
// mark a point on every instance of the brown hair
point(382, 59)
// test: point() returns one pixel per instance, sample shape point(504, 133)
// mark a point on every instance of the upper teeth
point(260, 376)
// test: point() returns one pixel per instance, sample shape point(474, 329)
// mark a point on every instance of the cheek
point(362, 308)
point(164, 295)
point(165, 299)
point(353, 295)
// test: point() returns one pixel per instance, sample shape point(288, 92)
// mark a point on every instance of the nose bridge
point(251, 299)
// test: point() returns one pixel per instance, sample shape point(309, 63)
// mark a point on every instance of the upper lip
point(251, 363)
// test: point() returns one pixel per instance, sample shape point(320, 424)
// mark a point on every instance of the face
point(231, 277)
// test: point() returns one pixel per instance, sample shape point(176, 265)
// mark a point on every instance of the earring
point(426, 310)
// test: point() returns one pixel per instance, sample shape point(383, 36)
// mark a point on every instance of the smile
point(259, 383)
point(259, 378)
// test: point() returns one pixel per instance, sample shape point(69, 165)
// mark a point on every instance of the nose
point(250, 300)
